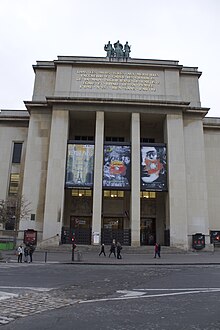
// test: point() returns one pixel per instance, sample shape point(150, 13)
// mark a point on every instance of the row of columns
point(177, 212)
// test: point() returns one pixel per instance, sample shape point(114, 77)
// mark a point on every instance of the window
point(81, 192)
point(84, 138)
point(32, 217)
point(114, 139)
point(113, 193)
point(14, 183)
point(147, 140)
point(16, 157)
point(148, 194)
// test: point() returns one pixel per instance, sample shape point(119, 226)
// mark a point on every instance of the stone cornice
point(130, 63)
point(211, 122)
point(10, 115)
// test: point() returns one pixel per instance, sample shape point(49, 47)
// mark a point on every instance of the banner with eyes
point(153, 167)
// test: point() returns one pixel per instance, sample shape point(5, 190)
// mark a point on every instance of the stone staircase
point(96, 249)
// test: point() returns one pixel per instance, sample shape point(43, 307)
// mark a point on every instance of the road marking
point(127, 293)
point(178, 289)
point(28, 288)
point(128, 296)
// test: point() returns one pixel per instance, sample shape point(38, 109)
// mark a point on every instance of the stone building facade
point(114, 149)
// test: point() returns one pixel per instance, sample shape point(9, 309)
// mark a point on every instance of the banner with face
point(153, 168)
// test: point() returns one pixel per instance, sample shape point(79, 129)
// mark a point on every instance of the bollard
point(45, 256)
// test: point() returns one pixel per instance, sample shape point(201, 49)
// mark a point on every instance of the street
point(59, 296)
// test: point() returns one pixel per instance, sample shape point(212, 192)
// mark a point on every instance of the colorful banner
point(79, 169)
point(117, 167)
point(153, 168)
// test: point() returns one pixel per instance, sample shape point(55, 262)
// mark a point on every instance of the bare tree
point(12, 210)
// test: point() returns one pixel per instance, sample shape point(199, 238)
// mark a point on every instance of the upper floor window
point(114, 139)
point(16, 157)
point(84, 138)
point(147, 140)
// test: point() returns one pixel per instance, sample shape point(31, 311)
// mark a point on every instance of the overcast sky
point(32, 30)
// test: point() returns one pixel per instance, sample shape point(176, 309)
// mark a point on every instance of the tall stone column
point(197, 200)
point(98, 170)
point(54, 201)
point(135, 179)
point(177, 203)
point(35, 171)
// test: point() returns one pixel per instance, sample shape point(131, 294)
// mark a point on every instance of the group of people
point(115, 248)
point(26, 251)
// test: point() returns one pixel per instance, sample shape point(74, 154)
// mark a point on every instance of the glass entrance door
point(148, 231)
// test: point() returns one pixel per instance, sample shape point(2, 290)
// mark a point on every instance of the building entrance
point(113, 229)
point(80, 229)
point(148, 231)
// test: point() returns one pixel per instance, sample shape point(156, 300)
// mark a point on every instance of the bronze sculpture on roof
point(118, 52)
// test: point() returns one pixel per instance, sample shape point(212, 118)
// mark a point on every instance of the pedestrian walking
point(20, 252)
point(31, 251)
point(112, 249)
point(102, 250)
point(157, 249)
point(119, 248)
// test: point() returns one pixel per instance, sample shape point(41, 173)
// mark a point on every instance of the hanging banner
point(79, 168)
point(153, 168)
point(117, 167)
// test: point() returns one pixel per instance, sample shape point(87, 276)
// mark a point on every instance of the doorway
point(148, 231)
point(80, 229)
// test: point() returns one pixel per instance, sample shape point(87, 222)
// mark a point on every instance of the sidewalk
point(92, 257)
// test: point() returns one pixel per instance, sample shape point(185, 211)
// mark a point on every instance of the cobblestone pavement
point(29, 304)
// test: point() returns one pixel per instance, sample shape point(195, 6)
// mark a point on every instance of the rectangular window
point(84, 138)
point(81, 192)
point(16, 157)
point(148, 194)
point(32, 217)
point(114, 139)
point(113, 193)
point(147, 140)
point(14, 183)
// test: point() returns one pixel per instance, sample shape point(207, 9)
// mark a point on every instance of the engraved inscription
point(118, 80)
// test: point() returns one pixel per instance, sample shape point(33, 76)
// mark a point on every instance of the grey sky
point(183, 30)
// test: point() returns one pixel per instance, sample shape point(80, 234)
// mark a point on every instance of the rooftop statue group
point(118, 51)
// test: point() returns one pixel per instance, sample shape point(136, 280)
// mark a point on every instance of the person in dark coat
point(26, 252)
point(112, 249)
point(119, 248)
point(159, 248)
point(102, 250)
point(31, 251)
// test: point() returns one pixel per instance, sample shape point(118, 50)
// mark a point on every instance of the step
point(126, 249)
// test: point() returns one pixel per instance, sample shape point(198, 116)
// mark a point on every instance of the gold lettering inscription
point(118, 80)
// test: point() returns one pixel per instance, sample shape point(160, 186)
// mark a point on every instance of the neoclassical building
point(114, 148)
